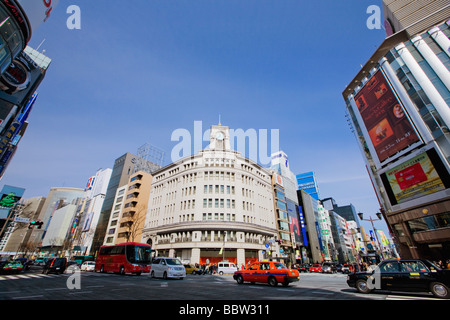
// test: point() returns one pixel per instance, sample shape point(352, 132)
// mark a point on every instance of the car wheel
point(361, 286)
point(272, 281)
point(239, 279)
point(221, 273)
point(440, 290)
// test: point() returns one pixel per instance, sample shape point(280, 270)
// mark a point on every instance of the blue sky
point(138, 70)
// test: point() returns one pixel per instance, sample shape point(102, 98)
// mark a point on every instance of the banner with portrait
point(389, 128)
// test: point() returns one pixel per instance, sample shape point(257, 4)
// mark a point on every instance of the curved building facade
point(213, 206)
point(14, 32)
point(18, 19)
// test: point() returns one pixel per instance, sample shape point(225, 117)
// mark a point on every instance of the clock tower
point(219, 138)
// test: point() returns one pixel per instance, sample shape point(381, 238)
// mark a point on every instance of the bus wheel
point(122, 270)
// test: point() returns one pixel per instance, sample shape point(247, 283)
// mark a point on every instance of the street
point(33, 285)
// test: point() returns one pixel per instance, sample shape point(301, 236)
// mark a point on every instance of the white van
point(163, 267)
point(226, 267)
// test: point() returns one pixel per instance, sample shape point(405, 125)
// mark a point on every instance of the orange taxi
point(271, 272)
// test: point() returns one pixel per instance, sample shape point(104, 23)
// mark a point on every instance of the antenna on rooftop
point(37, 49)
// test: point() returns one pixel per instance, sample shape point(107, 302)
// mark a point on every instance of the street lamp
point(378, 214)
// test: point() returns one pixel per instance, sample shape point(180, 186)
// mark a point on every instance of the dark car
point(304, 267)
point(415, 275)
point(55, 265)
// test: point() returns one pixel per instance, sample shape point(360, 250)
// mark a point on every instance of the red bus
point(128, 257)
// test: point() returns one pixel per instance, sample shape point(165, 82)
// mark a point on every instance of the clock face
point(220, 136)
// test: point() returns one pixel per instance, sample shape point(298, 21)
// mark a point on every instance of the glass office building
point(398, 105)
point(307, 182)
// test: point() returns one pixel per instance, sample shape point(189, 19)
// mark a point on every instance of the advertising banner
point(414, 178)
point(384, 117)
point(383, 238)
point(293, 223)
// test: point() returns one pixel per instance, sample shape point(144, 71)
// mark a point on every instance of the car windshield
point(279, 265)
point(173, 262)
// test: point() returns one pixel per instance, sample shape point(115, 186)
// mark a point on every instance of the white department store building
point(213, 206)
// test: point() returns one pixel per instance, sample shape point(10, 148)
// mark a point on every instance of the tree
point(134, 224)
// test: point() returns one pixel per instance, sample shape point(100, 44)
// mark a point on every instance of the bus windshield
point(139, 254)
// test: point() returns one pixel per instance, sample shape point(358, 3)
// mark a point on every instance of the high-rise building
point(56, 199)
point(348, 212)
point(21, 69)
point(307, 182)
point(87, 216)
point(18, 86)
point(121, 172)
point(398, 105)
point(309, 207)
point(124, 167)
point(18, 20)
point(129, 211)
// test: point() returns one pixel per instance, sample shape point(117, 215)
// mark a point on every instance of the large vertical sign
point(294, 227)
point(384, 117)
point(303, 227)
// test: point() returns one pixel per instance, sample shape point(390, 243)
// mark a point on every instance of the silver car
point(164, 267)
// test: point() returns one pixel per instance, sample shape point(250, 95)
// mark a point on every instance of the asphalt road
point(98, 286)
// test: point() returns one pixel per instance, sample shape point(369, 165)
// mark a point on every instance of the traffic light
point(35, 223)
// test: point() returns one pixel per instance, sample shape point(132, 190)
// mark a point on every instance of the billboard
point(384, 117)
point(9, 196)
point(417, 177)
point(294, 226)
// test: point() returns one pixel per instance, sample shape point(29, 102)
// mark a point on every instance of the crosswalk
point(27, 276)
point(41, 275)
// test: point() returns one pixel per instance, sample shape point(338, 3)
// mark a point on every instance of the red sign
point(410, 176)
